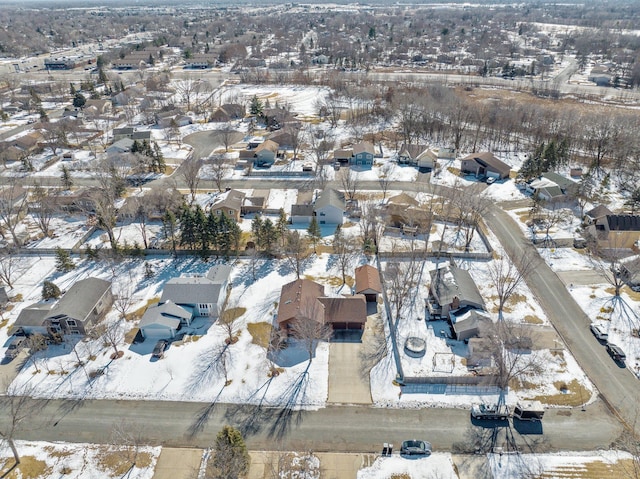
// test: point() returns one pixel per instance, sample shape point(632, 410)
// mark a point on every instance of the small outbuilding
point(368, 283)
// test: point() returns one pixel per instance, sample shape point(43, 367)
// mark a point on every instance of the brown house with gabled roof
point(368, 282)
point(298, 300)
point(484, 164)
point(347, 312)
point(228, 203)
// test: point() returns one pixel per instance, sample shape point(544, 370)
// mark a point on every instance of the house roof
point(167, 314)
point(562, 181)
point(32, 315)
point(487, 159)
point(367, 278)
point(268, 145)
point(599, 211)
point(452, 282)
point(345, 154)
point(632, 267)
point(352, 309)
point(196, 289)
point(623, 222)
point(412, 150)
point(551, 191)
point(296, 296)
point(123, 144)
point(363, 147)
point(301, 210)
point(123, 131)
point(81, 298)
point(469, 320)
point(231, 199)
point(330, 197)
point(255, 201)
point(219, 273)
point(403, 199)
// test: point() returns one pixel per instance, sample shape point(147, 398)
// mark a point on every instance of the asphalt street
point(334, 428)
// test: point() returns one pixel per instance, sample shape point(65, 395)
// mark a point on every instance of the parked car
point(529, 411)
point(616, 352)
point(415, 447)
point(15, 346)
point(490, 180)
point(159, 349)
point(490, 411)
point(599, 332)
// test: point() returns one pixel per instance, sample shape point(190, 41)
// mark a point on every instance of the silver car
point(415, 447)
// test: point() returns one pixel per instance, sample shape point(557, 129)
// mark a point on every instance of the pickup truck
point(490, 411)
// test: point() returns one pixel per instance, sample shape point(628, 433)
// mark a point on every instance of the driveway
point(178, 463)
point(582, 277)
point(9, 370)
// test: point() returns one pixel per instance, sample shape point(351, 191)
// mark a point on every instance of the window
point(218, 212)
point(71, 323)
point(322, 214)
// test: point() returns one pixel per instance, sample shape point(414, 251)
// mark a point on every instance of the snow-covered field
point(438, 464)
point(41, 460)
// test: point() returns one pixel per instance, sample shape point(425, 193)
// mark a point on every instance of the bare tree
point(295, 250)
point(13, 203)
point(112, 334)
point(187, 90)
point(350, 183)
point(384, 178)
point(371, 225)
point(18, 407)
point(190, 171)
point(129, 443)
point(402, 277)
point(45, 207)
point(228, 321)
point(507, 275)
point(607, 262)
point(345, 251)
point(288, 465)
point(310, 327)
point(123, 293)
point(10, 266)
point(219, 169)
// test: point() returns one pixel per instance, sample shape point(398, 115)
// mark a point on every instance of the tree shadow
point(209, 366)
point(294, 396)
point(246, 277)
point(203, 416)
point(251, 417)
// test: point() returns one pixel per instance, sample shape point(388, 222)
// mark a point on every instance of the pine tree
point(64, 262)
point(169, 223)
point(67, 180)
point(188, 234)
point(229, 458)
point(256, 107)
point(282, 226)
point(50, 291)
point(256, 230)
point(268, 235)
point(159, 164)
point(314, 232)
point(201, 227)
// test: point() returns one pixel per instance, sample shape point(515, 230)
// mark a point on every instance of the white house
point(329, 207)
point(204, 295)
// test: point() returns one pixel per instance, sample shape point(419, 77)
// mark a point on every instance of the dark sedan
point(416, 447)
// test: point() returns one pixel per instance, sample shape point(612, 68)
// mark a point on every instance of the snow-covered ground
point(438, 464)
point(41, 460)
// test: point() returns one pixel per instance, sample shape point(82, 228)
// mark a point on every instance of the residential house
point(616, 231)
point(363, 154)
point(121, 146)
point(552, 187)
point(204, 295)
point(342, 156)
point(228, 112)
point(285, 138)
point(121, 133)
point(31, 320)
point(404, 211)
point(446, 154)
point(80, 308)
point(595, 214)
point(484, 164)
point(301, 214)
point(162, 321)
point(368, 283)
point(12, 197)
point(347, 312)
point(417, 155)
point(329, 207)
point(630, 272)
point(253, 204)
point(166, 119)
point(81, 200)
point(298, 300)
point(102, 107)
point(276, 118)
point(229, 203)
point(452, 288)
point(200, 61)
point(265, 154)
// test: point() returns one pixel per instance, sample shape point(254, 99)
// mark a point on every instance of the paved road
point(334, 428)
point(618, 386)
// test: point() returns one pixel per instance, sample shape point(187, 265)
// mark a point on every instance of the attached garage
point(345, 313)
point(163, 321)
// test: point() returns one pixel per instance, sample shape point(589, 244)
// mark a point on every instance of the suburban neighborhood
point(319, 267)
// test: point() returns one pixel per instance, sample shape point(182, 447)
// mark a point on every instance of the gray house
point(204, 295)
point(82, 307)
point(329, 207)
point(31, 320)
point(162, 321)
point(452, 288)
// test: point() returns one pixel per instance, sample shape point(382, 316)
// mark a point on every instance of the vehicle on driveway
point(159, 349)
point(490, 412)
point(490, 180)
point(599, 332)
point(415, 447)
point(16, 345)
point(616, 352)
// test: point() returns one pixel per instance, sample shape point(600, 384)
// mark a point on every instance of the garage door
point(156, 333)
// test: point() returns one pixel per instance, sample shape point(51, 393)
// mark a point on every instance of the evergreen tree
point(314, 233)
point(135, 147)
point(159, 164)
point(188, 236)
point(169, 224)
point(268, 235)
point(229, 457)
point(50, 291)
point(64, 262)
point(256, 106)
point(201, 231)
point(256, 230)
point(79, 100)
point(282, 226)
